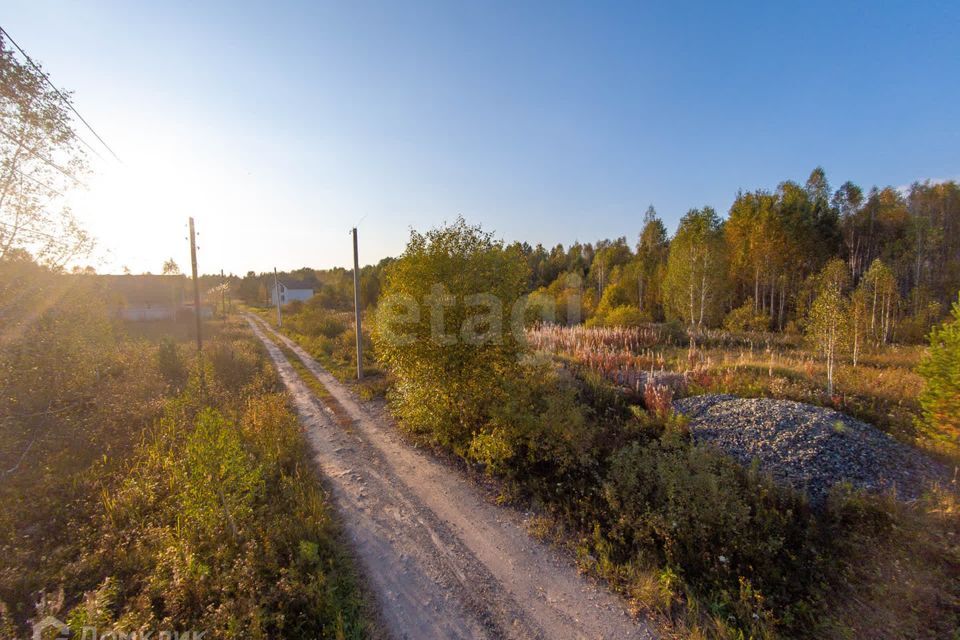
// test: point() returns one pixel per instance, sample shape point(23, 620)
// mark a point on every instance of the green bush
point(171, 364)
point(620, 316)
point(219, 481)
point(221, 527)
point(940, 368)
point(915, 328)
point(294, 306)
point(317, 324)
point(745, 318)
point(450, 369)
point(712, 522)
point(235, 363)
point(538, 433)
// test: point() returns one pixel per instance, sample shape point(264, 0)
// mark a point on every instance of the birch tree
point(880, 286)
point(847, 200)
point(40, 160)
point(757, 244)
point(696, 269)
point(828, 325)
point(859, 320)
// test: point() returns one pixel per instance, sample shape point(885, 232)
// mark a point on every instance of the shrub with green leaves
point(539, 433)
point(221, 526)
point(624, 315)
point(747, 318)
point(170, 362)
point(940, 368)
point(708, 519)
point(313, 320)
point(443, 329)
point(235, 363)
point(220, 482)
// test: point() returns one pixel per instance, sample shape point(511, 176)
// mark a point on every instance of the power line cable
point(81, 140)
point(39, 182)
point(59, 93)
point(35, 233)
point(39, 156)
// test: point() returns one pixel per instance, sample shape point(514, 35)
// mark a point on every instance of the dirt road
point(441, 561)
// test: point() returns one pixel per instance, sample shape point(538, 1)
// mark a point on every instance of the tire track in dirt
point(441, 561)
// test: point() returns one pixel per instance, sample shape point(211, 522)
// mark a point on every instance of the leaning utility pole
point(276, 292)
point(356, 306)
point(196, 284)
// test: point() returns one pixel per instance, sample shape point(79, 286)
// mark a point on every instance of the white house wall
point(290, 295)
point(144, 314)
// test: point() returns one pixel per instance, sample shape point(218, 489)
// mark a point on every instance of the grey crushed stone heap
point(808, 447)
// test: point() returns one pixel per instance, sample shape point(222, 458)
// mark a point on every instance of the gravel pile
point(810, 447)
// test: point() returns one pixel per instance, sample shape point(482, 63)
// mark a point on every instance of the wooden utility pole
point(276, 292)
point(223, 294)
point(196, 284)
point(356, 306)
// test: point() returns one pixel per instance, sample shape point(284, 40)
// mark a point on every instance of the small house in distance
point(288, 290)
point(146, 297)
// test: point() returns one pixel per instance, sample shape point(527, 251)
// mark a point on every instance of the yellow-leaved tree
point(828, 321)
point(443, 328)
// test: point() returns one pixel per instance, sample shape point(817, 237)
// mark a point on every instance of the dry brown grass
point(882, 389)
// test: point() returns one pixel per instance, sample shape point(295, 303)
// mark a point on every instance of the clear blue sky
point(279, 125)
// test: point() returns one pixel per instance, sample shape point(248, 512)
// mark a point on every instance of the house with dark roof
point(288, 290)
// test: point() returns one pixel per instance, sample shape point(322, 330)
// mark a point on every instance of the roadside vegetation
point(329, 336)
point(141, 491)
point(715, 549)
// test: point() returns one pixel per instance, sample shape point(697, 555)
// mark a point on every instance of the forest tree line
point(762, 267)
point(758, 269)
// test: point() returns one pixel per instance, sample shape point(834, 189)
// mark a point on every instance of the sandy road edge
point(553, 597)
point(394, 538)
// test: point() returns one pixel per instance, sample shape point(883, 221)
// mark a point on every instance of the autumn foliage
point(940, 398)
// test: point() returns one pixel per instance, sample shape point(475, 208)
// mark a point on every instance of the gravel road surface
point(441, 560)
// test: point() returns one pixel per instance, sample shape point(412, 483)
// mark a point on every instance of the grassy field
point(143, 491)
point(882, 389)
